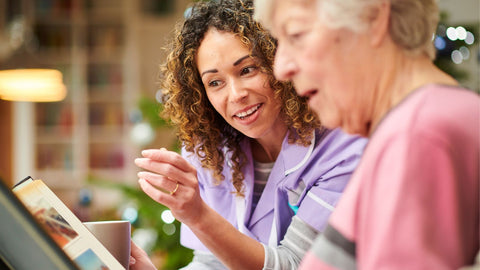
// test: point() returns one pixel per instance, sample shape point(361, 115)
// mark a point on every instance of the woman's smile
point(249, 113)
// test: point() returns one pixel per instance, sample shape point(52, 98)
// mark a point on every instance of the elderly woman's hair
point(412, 22)
point(201, 129)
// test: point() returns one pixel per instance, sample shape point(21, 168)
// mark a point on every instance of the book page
point(64, 227)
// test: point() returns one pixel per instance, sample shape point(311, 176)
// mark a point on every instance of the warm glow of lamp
point(37, 85)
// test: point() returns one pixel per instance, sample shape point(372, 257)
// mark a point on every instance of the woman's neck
point(405, 76)
point(267, 149)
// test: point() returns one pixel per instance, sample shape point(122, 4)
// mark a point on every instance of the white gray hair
point(412, 22)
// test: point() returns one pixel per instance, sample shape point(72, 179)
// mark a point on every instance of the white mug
point(115, 236)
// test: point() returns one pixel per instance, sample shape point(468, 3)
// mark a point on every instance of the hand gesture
point(170, 180)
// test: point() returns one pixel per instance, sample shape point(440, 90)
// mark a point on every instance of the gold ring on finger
point(174, 190)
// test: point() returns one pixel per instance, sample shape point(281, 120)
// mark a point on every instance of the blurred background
point(82, 142)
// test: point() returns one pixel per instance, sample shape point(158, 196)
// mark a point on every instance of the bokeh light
point(440, 43)
point(130, 213)
point(169, 229)
point(167, 216)
point(452, 33)
point(457, 57)
point(470, 38)
point(461, 32)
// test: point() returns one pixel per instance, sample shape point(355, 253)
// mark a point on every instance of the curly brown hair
point(201, 128)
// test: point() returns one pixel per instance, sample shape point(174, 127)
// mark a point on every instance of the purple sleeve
point(187, 237)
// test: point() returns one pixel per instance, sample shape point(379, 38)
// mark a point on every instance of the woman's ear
point(379, 25)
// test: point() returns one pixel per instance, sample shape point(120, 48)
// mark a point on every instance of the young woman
point(258, 176)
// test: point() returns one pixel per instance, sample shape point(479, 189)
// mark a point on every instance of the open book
point(61, 224)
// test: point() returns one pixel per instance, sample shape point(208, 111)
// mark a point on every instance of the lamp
point(38, 85)
point(27, 84)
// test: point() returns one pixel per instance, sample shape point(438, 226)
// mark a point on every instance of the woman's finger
point(170, 157)
point(159, 196)
point(168, 170)
point(139, 259)
point(159, 181)
point(132, 261)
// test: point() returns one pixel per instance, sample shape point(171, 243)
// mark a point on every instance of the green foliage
point(151, 109)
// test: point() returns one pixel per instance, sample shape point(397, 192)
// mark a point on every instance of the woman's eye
point(247, 70)
point(294, 37)
point(213, 83)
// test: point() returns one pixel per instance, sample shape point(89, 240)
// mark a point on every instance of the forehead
point(220, 47)
point(215, 39)
point(286, 10)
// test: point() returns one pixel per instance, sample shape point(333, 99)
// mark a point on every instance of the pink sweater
point(413, 202)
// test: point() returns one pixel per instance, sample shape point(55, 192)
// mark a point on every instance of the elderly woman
point(255, 161)
point(366, 66)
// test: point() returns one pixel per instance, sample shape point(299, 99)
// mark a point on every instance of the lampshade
point(38, 85)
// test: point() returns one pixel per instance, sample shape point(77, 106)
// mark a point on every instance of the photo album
point(40, 232)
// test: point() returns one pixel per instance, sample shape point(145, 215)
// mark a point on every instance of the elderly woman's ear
point(379, 24)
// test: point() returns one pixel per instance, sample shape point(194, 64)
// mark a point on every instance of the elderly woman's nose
point(284, 68)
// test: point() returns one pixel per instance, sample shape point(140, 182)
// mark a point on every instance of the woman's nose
point(284, 67)
point(237, 91)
